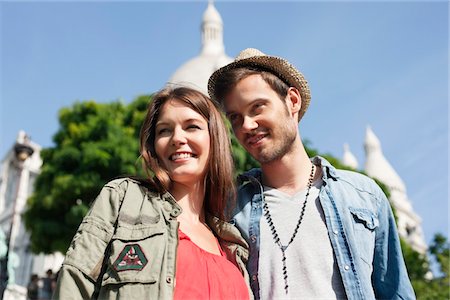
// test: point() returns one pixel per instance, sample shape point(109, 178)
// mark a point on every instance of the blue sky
point(383, 64)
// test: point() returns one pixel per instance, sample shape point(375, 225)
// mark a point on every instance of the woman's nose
point(178, 137)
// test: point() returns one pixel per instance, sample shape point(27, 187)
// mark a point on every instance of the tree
point(441, 250)
point(95, 143)
point(242, 160)
point(417, 264)
point(439, 286)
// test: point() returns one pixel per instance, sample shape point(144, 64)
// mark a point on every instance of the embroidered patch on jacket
point(130, 258)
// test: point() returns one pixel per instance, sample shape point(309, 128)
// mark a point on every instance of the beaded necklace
point(274, 232)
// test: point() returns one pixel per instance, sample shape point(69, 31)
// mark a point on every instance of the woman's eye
point(163, 131)
point(193, 126)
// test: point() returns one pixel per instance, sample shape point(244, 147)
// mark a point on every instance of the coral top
point(204, 275)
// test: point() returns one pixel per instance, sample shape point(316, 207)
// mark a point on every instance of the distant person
point(33, 288)
point(164, 237)
point(314, 232)
point(47, 285)
point(55, 279)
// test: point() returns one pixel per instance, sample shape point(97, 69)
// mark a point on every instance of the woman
point(165, 237)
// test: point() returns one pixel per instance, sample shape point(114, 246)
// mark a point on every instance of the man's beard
point(282, 147)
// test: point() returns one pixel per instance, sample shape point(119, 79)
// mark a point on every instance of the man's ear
point(294, 100)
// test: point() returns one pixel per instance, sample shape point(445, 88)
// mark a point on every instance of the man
point(47, 285)
point(314, 231)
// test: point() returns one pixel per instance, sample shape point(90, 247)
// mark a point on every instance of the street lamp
point(22, 152)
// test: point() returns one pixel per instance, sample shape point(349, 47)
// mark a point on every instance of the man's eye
point(258, 107)
point(232, 117)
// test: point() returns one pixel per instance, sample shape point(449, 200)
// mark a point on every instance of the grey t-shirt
point(311, 264)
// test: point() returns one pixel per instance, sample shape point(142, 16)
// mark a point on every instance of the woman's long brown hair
point(220, 188)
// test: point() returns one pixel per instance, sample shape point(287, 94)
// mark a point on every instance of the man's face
point(261, 121)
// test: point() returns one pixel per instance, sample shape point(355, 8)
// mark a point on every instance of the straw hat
point(278, 66)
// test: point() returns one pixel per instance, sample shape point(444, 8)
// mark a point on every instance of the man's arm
point(390, 277)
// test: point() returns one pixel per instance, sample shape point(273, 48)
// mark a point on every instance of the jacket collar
point(328, 171)
point(225, 231)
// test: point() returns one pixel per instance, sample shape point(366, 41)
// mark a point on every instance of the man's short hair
point(230, 79)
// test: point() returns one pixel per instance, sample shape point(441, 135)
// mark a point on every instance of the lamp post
point(22, 152)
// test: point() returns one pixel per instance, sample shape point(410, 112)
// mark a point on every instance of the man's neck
point(290, 173)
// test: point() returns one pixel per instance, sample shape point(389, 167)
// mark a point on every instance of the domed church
point(377, 166)
point(195, 73)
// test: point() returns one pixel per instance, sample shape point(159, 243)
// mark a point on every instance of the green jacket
point(143, 231)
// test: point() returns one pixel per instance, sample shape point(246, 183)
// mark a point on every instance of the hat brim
point(275, 65)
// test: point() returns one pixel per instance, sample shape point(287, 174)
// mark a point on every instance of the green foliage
point(441, 250)
point(95, 143)
point(416, 263)
point(439, 286)
point(431, 289)
point(242, 160)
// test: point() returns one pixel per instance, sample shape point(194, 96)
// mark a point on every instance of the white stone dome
point(348, 158)
point(211, 14)
point(195, 73)
point(377, 165)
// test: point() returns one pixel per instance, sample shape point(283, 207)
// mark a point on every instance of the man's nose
point(249, 124)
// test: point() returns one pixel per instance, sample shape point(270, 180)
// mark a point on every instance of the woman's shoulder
point(125, 182)
point(115, 191)
point(130, 190)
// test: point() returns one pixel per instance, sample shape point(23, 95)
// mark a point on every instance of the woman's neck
point(191, 198)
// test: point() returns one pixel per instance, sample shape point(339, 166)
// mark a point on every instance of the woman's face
point(182, 142)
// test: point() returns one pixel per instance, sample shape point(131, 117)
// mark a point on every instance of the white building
point(348, 158)
point(196, 72)
point(377, 166)
point(18, 171)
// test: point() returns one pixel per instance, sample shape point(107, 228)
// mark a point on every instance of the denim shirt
point(360, 225)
